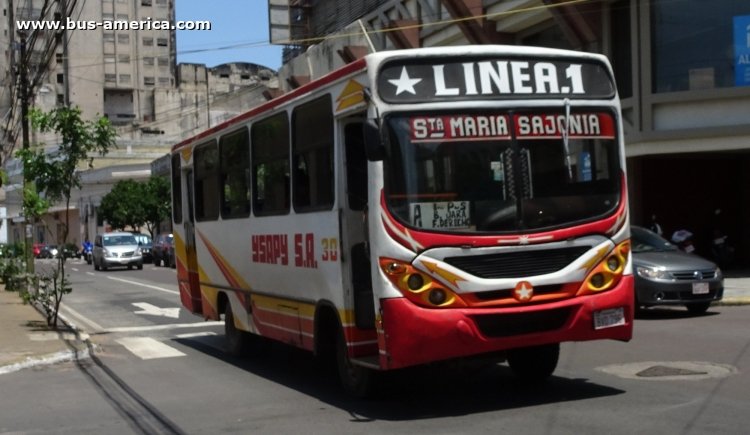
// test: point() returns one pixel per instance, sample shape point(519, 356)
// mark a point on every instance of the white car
point(117, 249)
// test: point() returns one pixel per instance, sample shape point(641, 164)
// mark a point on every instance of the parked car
point(48, 251)
point(36, 249)
point(144, 241)
point(665, 275)
point(117, 249)
point(163, 250)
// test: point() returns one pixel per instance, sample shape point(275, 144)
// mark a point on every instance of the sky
point(239, 33)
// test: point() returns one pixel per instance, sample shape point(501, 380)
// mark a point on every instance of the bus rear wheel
point(536, 363)
point(357, 380)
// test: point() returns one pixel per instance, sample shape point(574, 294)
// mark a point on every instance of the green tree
point(158, 202)
point(56, 175)
point(123, 206)
point(132, 205)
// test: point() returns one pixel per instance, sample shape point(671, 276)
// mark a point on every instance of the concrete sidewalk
point(27, 341)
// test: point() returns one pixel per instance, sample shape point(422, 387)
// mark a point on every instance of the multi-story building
point(126, 73)
point(682, 67)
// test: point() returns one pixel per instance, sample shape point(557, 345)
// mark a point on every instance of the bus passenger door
point(354, 226)
point(192, 298)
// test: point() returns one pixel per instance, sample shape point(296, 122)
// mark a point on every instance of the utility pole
point(24, 79)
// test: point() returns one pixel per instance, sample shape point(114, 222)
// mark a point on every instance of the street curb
point(733, 301)
point(55, 358)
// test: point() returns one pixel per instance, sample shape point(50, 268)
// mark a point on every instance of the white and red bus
point(415, 206)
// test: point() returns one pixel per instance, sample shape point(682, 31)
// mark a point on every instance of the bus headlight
point(608, 272)
point(417, 286)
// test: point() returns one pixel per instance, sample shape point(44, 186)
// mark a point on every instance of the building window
point(165, 81)
point(235, 169)
point(123, 17)
point(148, 81)
point(60, 78)
point(270, 157)
point(124, 58)
point(148, 61)
point(692, 45)
point(123, 38)
point(109, 58)
point(162, 42)
point(312, 156)
point(107, 17)
point(145, 2)
point(163, 61)
point(621, 53)
point(125, 78)
point(161, 3)
point(148, 41)
point(108, 37)
point(59, 57)
point(206, 182)
point(110, 78)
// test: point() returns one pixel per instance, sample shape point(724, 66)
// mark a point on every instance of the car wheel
point(698, 308)
point(536, 363)
point(140, 266)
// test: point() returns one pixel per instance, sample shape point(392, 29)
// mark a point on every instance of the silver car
point(665, 275)
point(117, 249)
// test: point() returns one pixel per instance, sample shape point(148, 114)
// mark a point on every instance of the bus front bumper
point(412, 335)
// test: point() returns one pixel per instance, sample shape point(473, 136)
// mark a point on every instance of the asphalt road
point(157, 370)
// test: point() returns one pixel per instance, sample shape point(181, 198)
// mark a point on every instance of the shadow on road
point(438, 390)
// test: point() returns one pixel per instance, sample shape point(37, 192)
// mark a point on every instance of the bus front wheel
point(534, 364)
point(357, 380)
point(237, 340)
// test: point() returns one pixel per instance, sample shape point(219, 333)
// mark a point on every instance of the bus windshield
point(516, 171)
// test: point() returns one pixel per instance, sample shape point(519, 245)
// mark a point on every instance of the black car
point(665, 275)
point(144, 241)
point(48, 251)
point(163, 250)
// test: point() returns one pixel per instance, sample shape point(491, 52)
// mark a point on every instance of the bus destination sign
point(412, 81)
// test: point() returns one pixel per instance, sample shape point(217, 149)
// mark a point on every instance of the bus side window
point(356, 167)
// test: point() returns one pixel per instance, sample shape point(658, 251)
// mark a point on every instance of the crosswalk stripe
point(148, 348)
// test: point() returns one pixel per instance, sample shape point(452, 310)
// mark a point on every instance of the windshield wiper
point(565, 138)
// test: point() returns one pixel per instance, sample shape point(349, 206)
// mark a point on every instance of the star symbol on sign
point(523, 291)
point(405, 83)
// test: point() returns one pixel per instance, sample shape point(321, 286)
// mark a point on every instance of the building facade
point(128, 75)
point(682, 67)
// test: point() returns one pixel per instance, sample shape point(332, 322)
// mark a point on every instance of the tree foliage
point(56, 174)
point(132, 205)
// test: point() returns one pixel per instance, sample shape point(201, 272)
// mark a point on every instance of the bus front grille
point(508, 325)
point(517, 264)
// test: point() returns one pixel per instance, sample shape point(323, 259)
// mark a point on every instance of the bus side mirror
point(374, 149)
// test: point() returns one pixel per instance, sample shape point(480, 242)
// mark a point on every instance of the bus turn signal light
point(608, 272)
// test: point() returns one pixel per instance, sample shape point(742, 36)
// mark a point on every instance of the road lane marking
point(196, 334)
point(161, 327)
point(90, 273)
point(153, 310)
point(148, 348)
point(161, 289)
point(90, 323)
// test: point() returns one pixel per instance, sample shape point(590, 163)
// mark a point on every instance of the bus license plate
point(609, 318)
point(700, 288)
